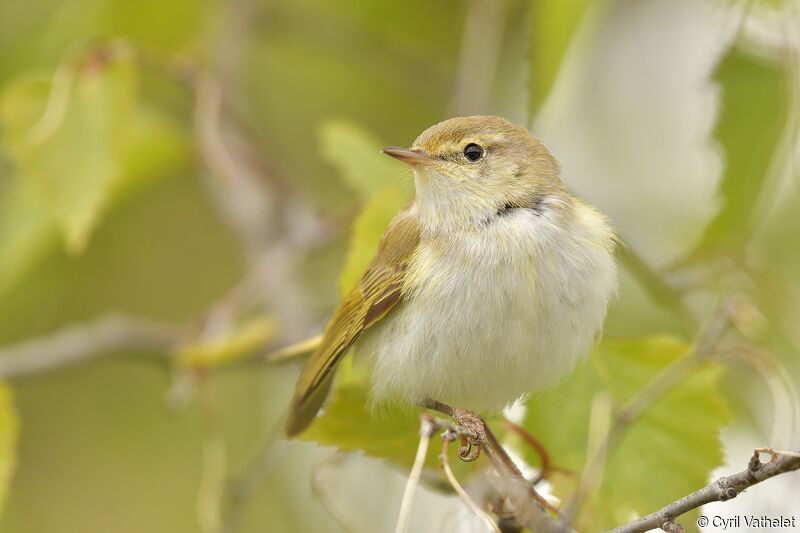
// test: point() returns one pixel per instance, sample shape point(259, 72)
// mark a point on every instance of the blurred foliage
point(753, 96)
point(553, 26)
point(674, 442)
point(109, 203)
point(229, 346)
point(9, 429)
point(352, 151)
point(69, 145)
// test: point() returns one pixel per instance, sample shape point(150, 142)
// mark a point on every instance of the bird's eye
point(473, 152)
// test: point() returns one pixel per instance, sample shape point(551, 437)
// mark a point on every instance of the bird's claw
point(474, 437)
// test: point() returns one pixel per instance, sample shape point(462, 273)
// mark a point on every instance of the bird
point(493, 283)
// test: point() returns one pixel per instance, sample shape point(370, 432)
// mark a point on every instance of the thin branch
point(528, 506)
point(672, 527)
point(295, 350)
point(83, 342)
point(597, 448)
point(546, 464)
point(208, 111)
point(427, 428)
point(723, 489)
point(447, 438)
point(211, 490)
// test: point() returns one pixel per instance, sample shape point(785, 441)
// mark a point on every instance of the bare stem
point(427, 428)
point(447, 438)
point(528, 506)
point(723, 489)
point(546, 465)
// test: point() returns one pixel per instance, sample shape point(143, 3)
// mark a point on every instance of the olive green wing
point(377, 292)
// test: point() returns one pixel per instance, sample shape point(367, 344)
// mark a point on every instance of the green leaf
point(356, 154)
point(376, 178)
point(26, 229)
point(70, 144)
point(367, 231)
point(665, 454)
point(749, 129)
point(553, 25)
point(349, 423)
point(9, 432)
point(231, 345)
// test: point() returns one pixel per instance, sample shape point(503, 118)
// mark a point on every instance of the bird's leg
point(475, 433)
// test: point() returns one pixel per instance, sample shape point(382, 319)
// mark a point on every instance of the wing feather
point(378, 291)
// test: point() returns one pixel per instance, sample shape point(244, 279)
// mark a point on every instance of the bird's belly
point(490, 322)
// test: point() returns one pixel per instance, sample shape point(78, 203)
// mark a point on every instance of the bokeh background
point(187, 185)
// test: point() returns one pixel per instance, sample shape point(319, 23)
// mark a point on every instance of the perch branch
point(528, 506)
point(723, 489)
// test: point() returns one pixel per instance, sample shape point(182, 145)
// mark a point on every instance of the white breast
point(497, 313)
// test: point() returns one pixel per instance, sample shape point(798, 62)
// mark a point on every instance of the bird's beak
point(408, 156)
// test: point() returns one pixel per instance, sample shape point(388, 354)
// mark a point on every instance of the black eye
point(473, 152)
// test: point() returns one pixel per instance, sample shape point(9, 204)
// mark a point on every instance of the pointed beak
point(407, 155)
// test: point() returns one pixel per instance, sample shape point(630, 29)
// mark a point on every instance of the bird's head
point(469, 169)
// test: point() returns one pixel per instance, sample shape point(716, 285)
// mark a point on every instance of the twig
point(294, 350)
point(546, 467)
point(528, 506)
point(447, 438)
point(496, 453)
point(723, 489)
point(672, 527)
point(208, 110)
point(211, 490)
point(668, 378)
point(427, 428)
point(597, 447)
point(83, 342)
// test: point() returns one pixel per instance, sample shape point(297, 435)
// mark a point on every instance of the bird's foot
point(473, 434)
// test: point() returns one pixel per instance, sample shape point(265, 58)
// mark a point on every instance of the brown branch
point(528, 506)
point(546, 467)
point(723, 489)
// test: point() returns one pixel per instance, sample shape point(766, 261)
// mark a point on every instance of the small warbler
point(491, 284)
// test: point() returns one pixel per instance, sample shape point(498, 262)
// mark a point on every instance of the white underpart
point(499, 312)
